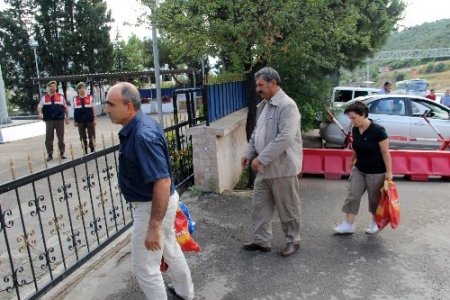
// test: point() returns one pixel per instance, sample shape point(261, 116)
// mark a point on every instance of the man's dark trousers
point(90, 127)
point(51, 126)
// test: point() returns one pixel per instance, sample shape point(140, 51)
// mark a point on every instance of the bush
point(400, 76)
point(429, 68)
point(440, 67)
point(244, 183)
point(181, 159)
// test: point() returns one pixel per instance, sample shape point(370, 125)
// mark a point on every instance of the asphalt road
point(411, 262)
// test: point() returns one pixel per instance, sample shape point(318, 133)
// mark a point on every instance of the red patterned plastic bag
point(388, 210)
point(394, 205)
point(184, 238)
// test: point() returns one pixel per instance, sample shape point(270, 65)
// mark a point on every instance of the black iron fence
point(53, 221)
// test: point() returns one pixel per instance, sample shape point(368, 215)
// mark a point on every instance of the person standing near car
point(52, 108)
point(387, 86)
point(431, 95)
point(275, 154)
point(84, 117)
point(370, 167)
point(445, 100)
point(383, 106)
point(145, 182)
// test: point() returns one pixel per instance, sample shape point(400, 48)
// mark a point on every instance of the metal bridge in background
point(411, 54)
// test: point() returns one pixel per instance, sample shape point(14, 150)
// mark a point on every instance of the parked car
point(401, 116)
point(343, 94)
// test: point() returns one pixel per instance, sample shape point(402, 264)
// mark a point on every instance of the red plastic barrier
point(332, 163)
point(415, 164)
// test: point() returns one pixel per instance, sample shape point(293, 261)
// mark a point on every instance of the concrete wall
point(217, 152)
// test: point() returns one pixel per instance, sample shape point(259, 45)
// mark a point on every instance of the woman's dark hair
point(358, 108)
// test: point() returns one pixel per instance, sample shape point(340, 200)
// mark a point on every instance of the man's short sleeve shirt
point(143, 158)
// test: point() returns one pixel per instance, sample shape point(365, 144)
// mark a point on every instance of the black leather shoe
point(63, 157)
point(290, 249)
point(171, 289)
point(255, 247)
point(49, 158)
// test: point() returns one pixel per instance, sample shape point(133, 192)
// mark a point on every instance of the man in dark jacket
point(53, 110)
point(84, 117)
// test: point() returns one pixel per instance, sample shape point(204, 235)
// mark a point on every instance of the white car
point(401, 116)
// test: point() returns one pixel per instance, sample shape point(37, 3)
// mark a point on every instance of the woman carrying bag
point(371, 166)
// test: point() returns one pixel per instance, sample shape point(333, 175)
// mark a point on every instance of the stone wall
point(217, 152)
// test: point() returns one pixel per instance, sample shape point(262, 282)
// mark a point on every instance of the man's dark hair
point(387, 83)
point(358, 108)
point(268, 74)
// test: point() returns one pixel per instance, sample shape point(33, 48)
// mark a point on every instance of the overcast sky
point(417, 12)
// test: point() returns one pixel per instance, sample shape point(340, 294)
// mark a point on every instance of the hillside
point(437, 80)
point(424, 36)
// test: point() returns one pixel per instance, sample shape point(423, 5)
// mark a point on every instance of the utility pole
point(156, 62)
point(34, 44)
point(4, 119)
point(367, 73)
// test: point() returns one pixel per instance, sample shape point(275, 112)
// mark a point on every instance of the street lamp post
point(34, 44)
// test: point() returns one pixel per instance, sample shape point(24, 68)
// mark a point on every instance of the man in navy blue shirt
point(145, 181)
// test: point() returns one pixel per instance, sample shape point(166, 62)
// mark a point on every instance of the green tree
point(119, 58)
point(305, 40)
point(54, 29)
point(137, 55)
point(16, 56)
point(73, 36)
point(134, 54)
point(93, 51)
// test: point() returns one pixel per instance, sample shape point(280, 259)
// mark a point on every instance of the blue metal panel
point(225, 98)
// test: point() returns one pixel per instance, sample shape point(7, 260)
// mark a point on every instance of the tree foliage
point(16, 56)
point(136, 55)
point(92, 44)
point(305, 40)
point(73, 37)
